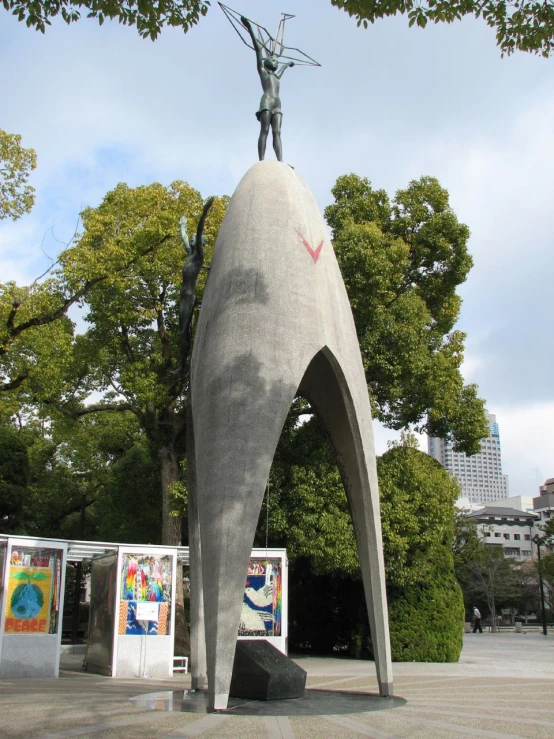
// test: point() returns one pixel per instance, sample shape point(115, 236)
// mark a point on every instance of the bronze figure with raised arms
point(272, 59)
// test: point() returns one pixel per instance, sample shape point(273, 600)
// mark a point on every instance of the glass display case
point(131, 628)
point(264, 605)
point(33, 583)
point(145, 579)
point(103, 579)
point(32, 595)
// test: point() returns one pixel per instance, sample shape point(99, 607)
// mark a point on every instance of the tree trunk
point(169, 473)
point(171, 534)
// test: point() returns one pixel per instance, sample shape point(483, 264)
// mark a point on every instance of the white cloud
point(470, 367)
point(527, 441)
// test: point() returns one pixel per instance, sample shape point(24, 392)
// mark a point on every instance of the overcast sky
point(102, 106)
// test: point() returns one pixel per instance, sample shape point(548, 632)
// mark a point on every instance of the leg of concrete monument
point(197, 630)
point(239, 413)
point(347, 421)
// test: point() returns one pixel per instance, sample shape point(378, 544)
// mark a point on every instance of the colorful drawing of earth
point(27, 601)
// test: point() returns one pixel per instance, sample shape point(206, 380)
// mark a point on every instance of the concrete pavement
point(502, 688)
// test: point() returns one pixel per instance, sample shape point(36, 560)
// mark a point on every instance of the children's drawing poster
point(144, 579)
point(28, 600)
point(262, 602)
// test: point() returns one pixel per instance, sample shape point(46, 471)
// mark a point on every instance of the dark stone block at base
point(262, 672)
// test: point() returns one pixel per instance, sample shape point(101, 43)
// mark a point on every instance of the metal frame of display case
point(30, 654)
point(118, 665)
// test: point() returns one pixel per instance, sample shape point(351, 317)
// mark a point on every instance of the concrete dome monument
point(275, 321)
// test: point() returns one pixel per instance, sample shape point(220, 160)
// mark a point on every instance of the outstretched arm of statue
point(199, 231)
point(184, 236)
point(257, 48)
point(191, 270)
point(283, 67)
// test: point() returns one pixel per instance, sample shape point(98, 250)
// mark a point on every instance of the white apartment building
point(507, 528)
point(513, 525)
point(480, 476)
point(519, 502)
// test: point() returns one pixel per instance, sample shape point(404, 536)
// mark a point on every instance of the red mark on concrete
point(314, 253)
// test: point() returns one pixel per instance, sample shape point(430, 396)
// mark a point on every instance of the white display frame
point(280, 642)
point(31, 648)
point(120, 641)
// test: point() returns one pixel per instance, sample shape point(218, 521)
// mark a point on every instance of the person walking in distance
point(477, 620)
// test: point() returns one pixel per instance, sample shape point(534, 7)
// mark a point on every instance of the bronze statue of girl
point(269, 112)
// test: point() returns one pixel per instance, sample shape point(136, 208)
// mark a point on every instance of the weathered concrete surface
point(275, 317)
point(197, 635)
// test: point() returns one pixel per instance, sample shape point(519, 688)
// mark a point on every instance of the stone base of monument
point(313, 703)
point(262, 672)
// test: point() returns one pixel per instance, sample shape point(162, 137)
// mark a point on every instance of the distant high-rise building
point(481, 475)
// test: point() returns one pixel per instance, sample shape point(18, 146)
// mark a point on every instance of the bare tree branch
point(97, 408)
point(127, 348)
point(13, 384)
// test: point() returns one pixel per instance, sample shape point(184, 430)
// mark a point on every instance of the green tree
point(31, 354)
point(33, 339)
point(402, 261)
point(131, 349)
point(466, 547)
point(417, 512)
point(526, 589)
point(308, 511)
point(104, 458)
point(16, 163)
point(309, 514)
point(35, 333)
point(14, 478)
point(148, 16)
point(494, 578)
point(524, 25)
point(484, 573)
point(548, 530)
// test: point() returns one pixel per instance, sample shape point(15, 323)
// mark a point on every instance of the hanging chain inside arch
point(267, 517)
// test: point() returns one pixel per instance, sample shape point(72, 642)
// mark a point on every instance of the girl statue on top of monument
point(269, 112)
point(269, 51)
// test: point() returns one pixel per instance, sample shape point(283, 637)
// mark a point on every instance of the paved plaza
point(502, 688)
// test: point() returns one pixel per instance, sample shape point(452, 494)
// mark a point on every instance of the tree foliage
point(309, 514)
point(417, 513)
point(148, 16)
point(488, 579)
point(14, 478)
point(466, 546)
point(523, 25)
point(35, 333)
point(130, 350)
point(493, 578)
point(402, 261)
point(308, 511)
point(16, 163)
point(104, 458)
point(548, 530)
